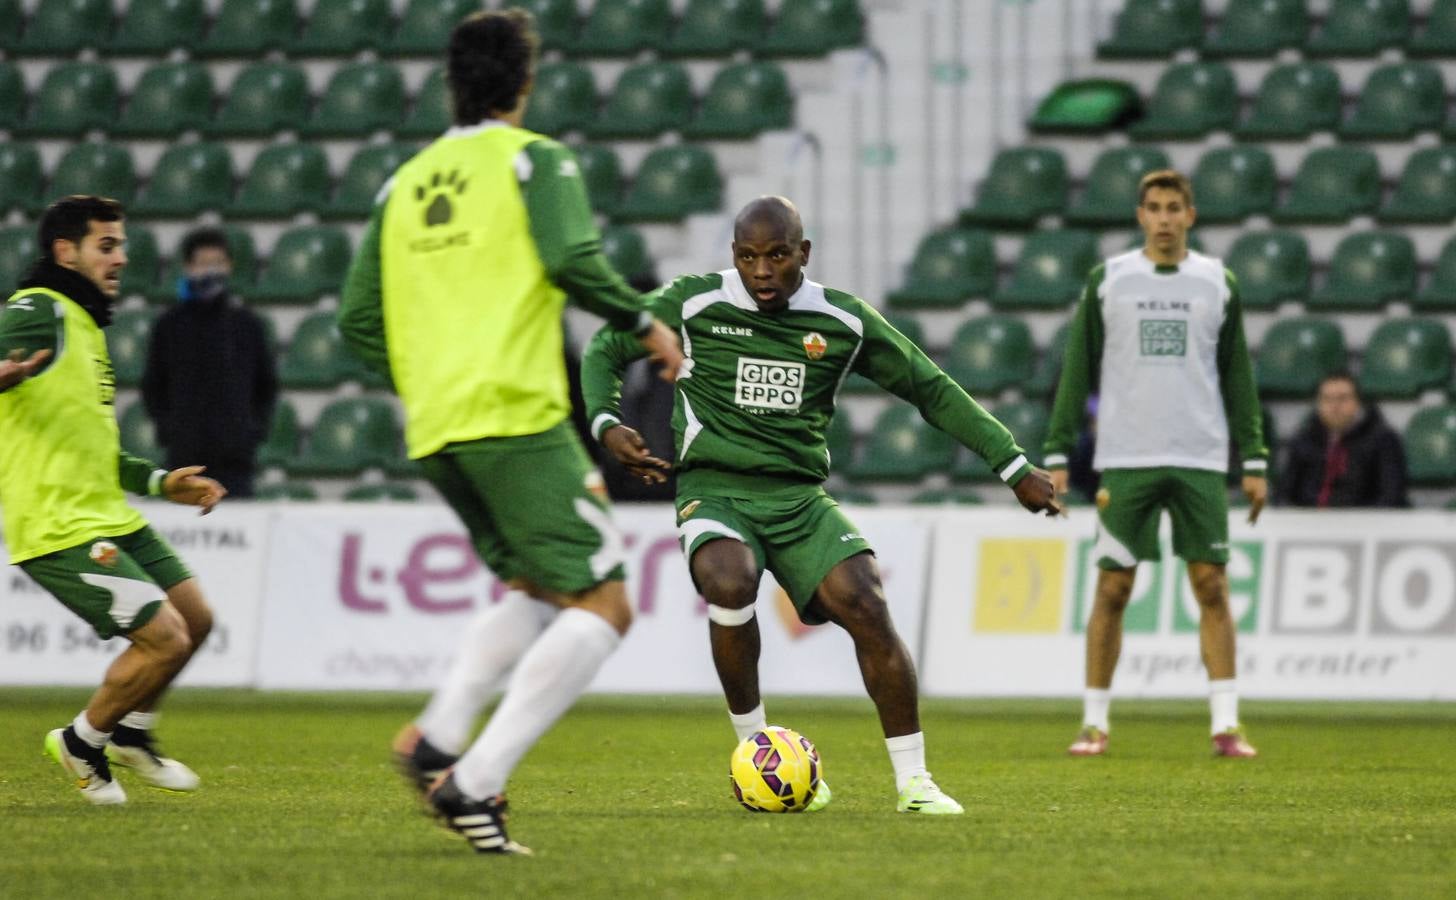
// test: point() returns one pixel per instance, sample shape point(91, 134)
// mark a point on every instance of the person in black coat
point(1345, 454)
point(211, 379)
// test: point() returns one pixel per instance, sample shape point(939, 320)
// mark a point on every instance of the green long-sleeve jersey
point(757, 390)
point(1163, 348)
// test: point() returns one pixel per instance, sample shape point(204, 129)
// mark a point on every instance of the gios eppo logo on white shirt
point(769, 384)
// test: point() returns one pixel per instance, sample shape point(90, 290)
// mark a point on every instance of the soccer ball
point(775, 770)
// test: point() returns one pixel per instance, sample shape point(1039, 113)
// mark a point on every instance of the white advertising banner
point(378, 601)
point(42, 642)
point(1327, 605)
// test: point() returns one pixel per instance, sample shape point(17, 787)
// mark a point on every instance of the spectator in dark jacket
point(211, 380)
point(1344, 455)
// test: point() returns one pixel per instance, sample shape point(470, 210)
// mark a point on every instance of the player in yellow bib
point(67, 523)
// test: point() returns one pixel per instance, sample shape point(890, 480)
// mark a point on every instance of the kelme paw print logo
point(441, 210)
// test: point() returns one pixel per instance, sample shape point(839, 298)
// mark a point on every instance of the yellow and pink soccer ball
point(775, 770)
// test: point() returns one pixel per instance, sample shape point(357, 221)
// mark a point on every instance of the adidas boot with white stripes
point(481, 822)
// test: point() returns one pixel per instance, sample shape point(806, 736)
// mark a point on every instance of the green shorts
point(1129, 503)
point(535, 507)
point(798, 534)
point(115, 583)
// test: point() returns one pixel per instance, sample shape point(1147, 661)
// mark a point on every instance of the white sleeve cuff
point(1055, 461)
point(601, 423)
point(1016, 465)
point(154, 484)
point(1259, 466)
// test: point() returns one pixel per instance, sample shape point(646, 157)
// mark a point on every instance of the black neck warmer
point(49, 274)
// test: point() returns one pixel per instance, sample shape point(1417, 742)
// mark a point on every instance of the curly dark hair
point(70, 218)
point(492, 58)
point(203, 237)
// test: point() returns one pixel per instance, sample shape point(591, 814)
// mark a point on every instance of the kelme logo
point(440, 209)
point(815, 345)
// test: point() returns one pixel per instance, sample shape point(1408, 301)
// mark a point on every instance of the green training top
point(457, 289)
point(62, 469)
point(757, 390)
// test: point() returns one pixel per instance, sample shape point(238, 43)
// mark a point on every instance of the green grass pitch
point(629, 797)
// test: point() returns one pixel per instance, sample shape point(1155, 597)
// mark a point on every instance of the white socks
point(1223, 702)
point(748, 723)
point(1095, 703)
point(551, 675)
point(494, 641)
point(141, 721)
point(907, 755)
point(91, 736)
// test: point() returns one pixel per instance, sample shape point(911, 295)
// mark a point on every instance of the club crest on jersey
point(688, 509)
point(104, 553)
point(815, 345)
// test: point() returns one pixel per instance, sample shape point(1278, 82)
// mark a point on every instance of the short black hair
point(203, 237)
point(492, 57)
point(70, 218)
point(1341, 375)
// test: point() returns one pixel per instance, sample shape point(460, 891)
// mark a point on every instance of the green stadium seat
point(626, 250)
point(839, 436)
point(431, 113)
point(1438, 38)
point(743, 100)
point(1294, 101)
point(315, 357)
point(386, 492)
point(170, 98)
point(73, 98)
point(106, 170)
point(1430, 446)
point(556, 22)
point(187, 180)
point(281, 446)
point(813, 28)
point(1332, 186)
point(951, 267)
point(1369, 269)
point(244, 252)
point(18, 253)
point(1360, 28)
point(1191, 100)
point(1233, 183)
point(1258, 28)
point(601, 173)
point(648, 99)
point(1271, 267)
point(1406, 356)
point(139, 435)
point(286, 179)
point(1296, 354)
point(1087, 106)
point(1440, 293)
point(947, 497)
point(11, 11)
point(902, 447)
point(1426, 192)
point(624, 27)
point(308, 262)
point(65, 27)
point(1397, 101)
point(264, 98)
point(1024, 184)
point(565, 99)
point(1027, 421)
point(1154, 29)
point(144, 262)
point(127, 339)
point(424, 29)
point(360, 98)
point(717, 28)
point(344, 27)
point(20, 178)
point(1043, 382)
point(368, 169)
point(12, 96)
point(1111, 197)
point(1051, 270)
point(248, 29)
point(351, 435)
point(990, 354)
point(286, 491)
point(153, 27)
point(671, 183)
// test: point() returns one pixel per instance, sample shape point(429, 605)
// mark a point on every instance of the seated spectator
point(1345, 454)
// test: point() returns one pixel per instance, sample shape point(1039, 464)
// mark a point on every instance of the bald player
point(766, 353)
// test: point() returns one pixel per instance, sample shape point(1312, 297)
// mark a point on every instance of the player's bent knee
point(728, 590)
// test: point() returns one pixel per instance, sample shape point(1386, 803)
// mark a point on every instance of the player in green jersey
point(456, 294)
point(767, 351)
point(67, 524)
point(1159, 336)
